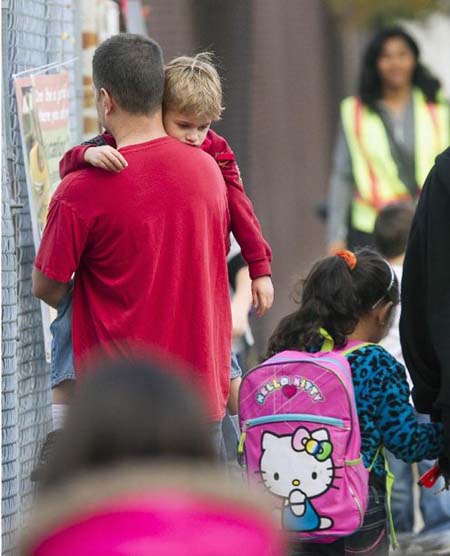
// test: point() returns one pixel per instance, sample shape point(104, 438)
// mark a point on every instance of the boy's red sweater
point(244, 224)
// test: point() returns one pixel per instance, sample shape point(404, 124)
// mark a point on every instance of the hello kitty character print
point(300, 439)
point(298, 468)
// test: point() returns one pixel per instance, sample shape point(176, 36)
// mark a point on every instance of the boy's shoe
point(46, 452)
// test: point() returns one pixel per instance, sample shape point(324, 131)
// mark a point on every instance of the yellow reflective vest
point(375, 171)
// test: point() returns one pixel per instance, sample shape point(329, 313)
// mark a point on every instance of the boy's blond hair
point(192, 85)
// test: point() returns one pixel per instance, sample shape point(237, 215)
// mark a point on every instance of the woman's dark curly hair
point(335, 298)
point(370, 85)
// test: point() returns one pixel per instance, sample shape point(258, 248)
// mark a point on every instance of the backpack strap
point(390, 479)
point(328, 344)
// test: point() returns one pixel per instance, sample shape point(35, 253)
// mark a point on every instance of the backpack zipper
point(295, 417)
point(249, 423)
point(358, 505)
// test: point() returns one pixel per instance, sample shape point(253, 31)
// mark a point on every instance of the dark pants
point(371, 540)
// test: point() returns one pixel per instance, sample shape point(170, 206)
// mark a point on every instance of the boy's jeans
point(62, 366)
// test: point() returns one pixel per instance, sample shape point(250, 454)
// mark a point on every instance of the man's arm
point(48, 290)
point(62, 244)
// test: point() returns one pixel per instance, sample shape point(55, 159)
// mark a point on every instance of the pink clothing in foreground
point(162, 524)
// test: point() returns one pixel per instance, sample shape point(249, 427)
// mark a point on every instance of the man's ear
point(107, 101)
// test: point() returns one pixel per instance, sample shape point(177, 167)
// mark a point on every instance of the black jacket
point(425, 319)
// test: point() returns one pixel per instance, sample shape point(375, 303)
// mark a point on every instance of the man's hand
point(105, 157)
point(262, 293)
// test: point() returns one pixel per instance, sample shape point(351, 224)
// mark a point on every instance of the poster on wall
point(43, 110)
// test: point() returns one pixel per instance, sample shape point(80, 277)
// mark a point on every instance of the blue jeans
point(236, 371)
point(435, 508)
point(61, 365)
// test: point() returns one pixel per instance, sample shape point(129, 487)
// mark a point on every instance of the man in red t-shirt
point(147, 245)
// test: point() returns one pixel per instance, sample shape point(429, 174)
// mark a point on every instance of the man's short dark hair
point(392, 229)
point(130, 67)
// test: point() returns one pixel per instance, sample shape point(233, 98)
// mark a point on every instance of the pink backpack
point(301, 441)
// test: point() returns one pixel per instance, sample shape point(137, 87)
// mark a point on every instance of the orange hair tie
point(349, 258)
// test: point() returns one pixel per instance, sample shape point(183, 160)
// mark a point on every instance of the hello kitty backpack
point(301, 441)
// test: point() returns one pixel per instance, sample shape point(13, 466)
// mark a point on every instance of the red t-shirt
point(149, 249)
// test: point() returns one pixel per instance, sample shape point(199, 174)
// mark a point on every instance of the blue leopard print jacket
point(385, 414)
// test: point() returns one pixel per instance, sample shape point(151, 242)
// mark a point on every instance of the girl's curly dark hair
point(370, 85)
point(335, 298)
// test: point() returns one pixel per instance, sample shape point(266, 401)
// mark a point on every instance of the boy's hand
point(262, 293)
point(105, 157)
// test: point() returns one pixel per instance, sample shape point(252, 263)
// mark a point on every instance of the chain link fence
point(35, 33)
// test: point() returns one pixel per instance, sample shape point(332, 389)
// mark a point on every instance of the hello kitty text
point(290, 386)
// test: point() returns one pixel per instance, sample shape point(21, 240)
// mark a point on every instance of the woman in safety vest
point(389, 136)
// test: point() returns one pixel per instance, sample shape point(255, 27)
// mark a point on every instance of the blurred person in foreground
point(147, 245)
point(425, 318)
point(391, 232)
point(389, 136)
point(133, 474)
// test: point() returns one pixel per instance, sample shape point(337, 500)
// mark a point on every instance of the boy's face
point(185, 127)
